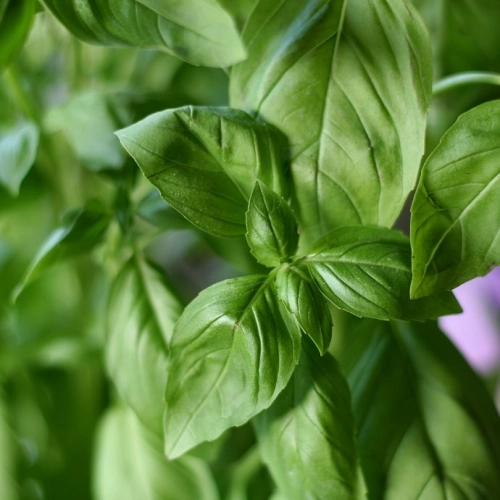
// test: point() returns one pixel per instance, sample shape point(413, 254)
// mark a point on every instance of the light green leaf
point(307, 435)
point(81, 231)
point(239, 9)
point(200, 32)
point(302, 298)
point(205, 161)
point(426, 426)
point(367, 272)
point(271, 227)
point(142, 312)
point(455, 223)
point(231, 355)
point(18, 147)
point(129, 465)
point(16, 18)
point(349, 83)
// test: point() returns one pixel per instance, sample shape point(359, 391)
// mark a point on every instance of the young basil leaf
point(142, 312)
point(355, 148)
point(81, 231)
point(455, 223)
point(303, 300)
point(366, 271)
point(201, 33)
point(205, 161)
point(129, 464)
point(232, 353)
point(271, 227)
point(18, 147)
point(427, 427)
point(307, 435)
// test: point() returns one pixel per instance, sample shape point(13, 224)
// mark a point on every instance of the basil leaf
point(307, 435)
point(366, 271)
point(205, 161)
point(16, 18)
point(271, 227)
point(355, 148)
point(129, 464)
point(426, 426)
point(455, 223)
point(18, 147)
point(232, 353)
point(141, 315)
point(8, 487)
point(303, 299)
point(199, 32)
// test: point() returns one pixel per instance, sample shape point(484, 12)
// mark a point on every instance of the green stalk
point(468, 78)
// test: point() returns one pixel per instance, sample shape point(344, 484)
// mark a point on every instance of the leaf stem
point(467, 78)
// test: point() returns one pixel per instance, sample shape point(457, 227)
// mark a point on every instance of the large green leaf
point(349, 83)
point(455, 223)
point(130, 465)
point(205, 161)
point(367, 272)
point(427, 427)
point(200, 32)
point(231, 355)
point(18, 147)
point(141, 315)
point(307, 435)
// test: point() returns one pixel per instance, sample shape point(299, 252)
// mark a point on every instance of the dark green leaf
point(367, 272)
point(141, 315)
point(130, 465)
point(271, 227)
point(426, 426)
point(455, 224)
point(205, 161)
point(18, 148)
point(231, 355)
point(302, 298)
point(239, 9)
point(199, 32)
point(307, 435)
point(349, 83)
point(8, 487)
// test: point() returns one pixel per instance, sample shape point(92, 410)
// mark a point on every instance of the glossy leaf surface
point(271, 227)
point(232, 353)
point(205, 161)
point(455, 224)
point(142, 312)
point(307, 435)
point(349, 83)
point(199, 32)
point(443, 438)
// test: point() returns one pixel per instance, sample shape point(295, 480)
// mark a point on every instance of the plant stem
point(468, 78)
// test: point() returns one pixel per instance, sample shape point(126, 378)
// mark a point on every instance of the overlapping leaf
point(349, 83)
point(200, 32)
point(426, 426)
point(231, 355)
point(205, 161)
point(455, 224)
point(141, 316)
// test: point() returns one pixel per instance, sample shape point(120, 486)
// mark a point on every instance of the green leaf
point(8, 487)
point(271, 227)
point(367, 272)
point(81, 231)
point(129, 464)
point(427, 427)
point(232, 353)
point(200, 32)
point(18, 147)
point(307, 435)
point(205, 161)
point(142, 312)
point(16, 18)
point(455, 230)
point(349, 83)
point(302, 298)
